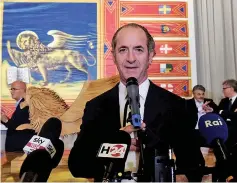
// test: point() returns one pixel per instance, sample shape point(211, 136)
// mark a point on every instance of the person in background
point(196, 107)
point(228, 109)
point(17, 139)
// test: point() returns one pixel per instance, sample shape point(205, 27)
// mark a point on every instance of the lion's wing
point(19, 58)
point(64, 40)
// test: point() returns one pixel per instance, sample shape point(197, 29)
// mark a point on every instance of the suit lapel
point(113, 109)
point(194, 104)
point(151, 107)
point(234, 105)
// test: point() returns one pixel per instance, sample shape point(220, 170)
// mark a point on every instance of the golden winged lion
point(37, 56)
point(44, 103)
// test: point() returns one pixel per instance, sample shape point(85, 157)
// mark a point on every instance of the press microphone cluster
point(114, 154)
point(45, 151)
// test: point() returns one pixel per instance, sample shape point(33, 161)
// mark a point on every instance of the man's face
point(131, 54)
point(227, 90)
point(199, 95)
point(17, 91)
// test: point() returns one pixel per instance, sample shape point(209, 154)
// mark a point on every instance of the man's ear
point(151, 55)
point(113, 56)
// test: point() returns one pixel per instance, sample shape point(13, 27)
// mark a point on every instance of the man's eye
point(139, 49)
point(122, 50)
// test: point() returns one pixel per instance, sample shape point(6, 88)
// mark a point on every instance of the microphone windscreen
point(38, 162)
point(121, 137)
point(131, 81)
point(59, 146)
point(212, 126)
point(51, 129)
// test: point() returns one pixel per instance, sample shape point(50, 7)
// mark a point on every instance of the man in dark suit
point(162, 112)
point(17, 139)
point(196, 109)
point(228, 109)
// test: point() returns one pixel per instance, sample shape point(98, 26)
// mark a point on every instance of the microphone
point(214, 129)
point(48, 142)
point(133, 99)
point(36, 167)
point(49, 133)
point(164, 167)
point(114, 154)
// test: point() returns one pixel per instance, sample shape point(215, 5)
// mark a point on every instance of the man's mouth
point(130, 67)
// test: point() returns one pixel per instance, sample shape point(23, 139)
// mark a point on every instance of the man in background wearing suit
point(17, 139)
point(197, 105)
point(162, 112)
point(228, 109)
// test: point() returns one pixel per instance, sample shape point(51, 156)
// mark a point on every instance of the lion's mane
point(44, 104)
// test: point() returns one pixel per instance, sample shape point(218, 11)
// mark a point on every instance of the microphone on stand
point(171, 166)
point(134, 103)
point(164, 167)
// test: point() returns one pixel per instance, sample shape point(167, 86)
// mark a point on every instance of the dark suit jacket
point(16, 140)
point(163, 115)
point(193, 110)
point(229, 114)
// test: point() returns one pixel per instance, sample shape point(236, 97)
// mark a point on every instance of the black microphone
point(134, 101)
point(113, 154)
point(51, 129)
point(214, 129)
point(36, 167)
point(49, 134)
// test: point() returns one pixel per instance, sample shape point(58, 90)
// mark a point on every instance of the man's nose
point(131, 57)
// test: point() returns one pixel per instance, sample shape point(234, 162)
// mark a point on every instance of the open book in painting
point(21, 74)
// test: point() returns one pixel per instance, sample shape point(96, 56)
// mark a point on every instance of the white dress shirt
point(201, 112)
point(233, 99)
point(17, 103)
point(133, 157)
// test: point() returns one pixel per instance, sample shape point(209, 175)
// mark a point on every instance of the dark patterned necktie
point(230, 104)
point(125, 113)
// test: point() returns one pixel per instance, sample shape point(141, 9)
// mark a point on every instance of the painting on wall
point(57, 42)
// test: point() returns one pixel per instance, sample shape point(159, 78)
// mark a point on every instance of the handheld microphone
point(214, 129)
point(134, 98)
point(47, 141)
point(36, 167)
point(114, 154)
point(49, 133)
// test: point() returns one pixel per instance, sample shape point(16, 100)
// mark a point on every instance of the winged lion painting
point(37, 56)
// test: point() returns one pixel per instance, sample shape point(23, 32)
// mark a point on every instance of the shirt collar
point(17, 103)
point(233, 98)
point(143, 89)
point(197, 102)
